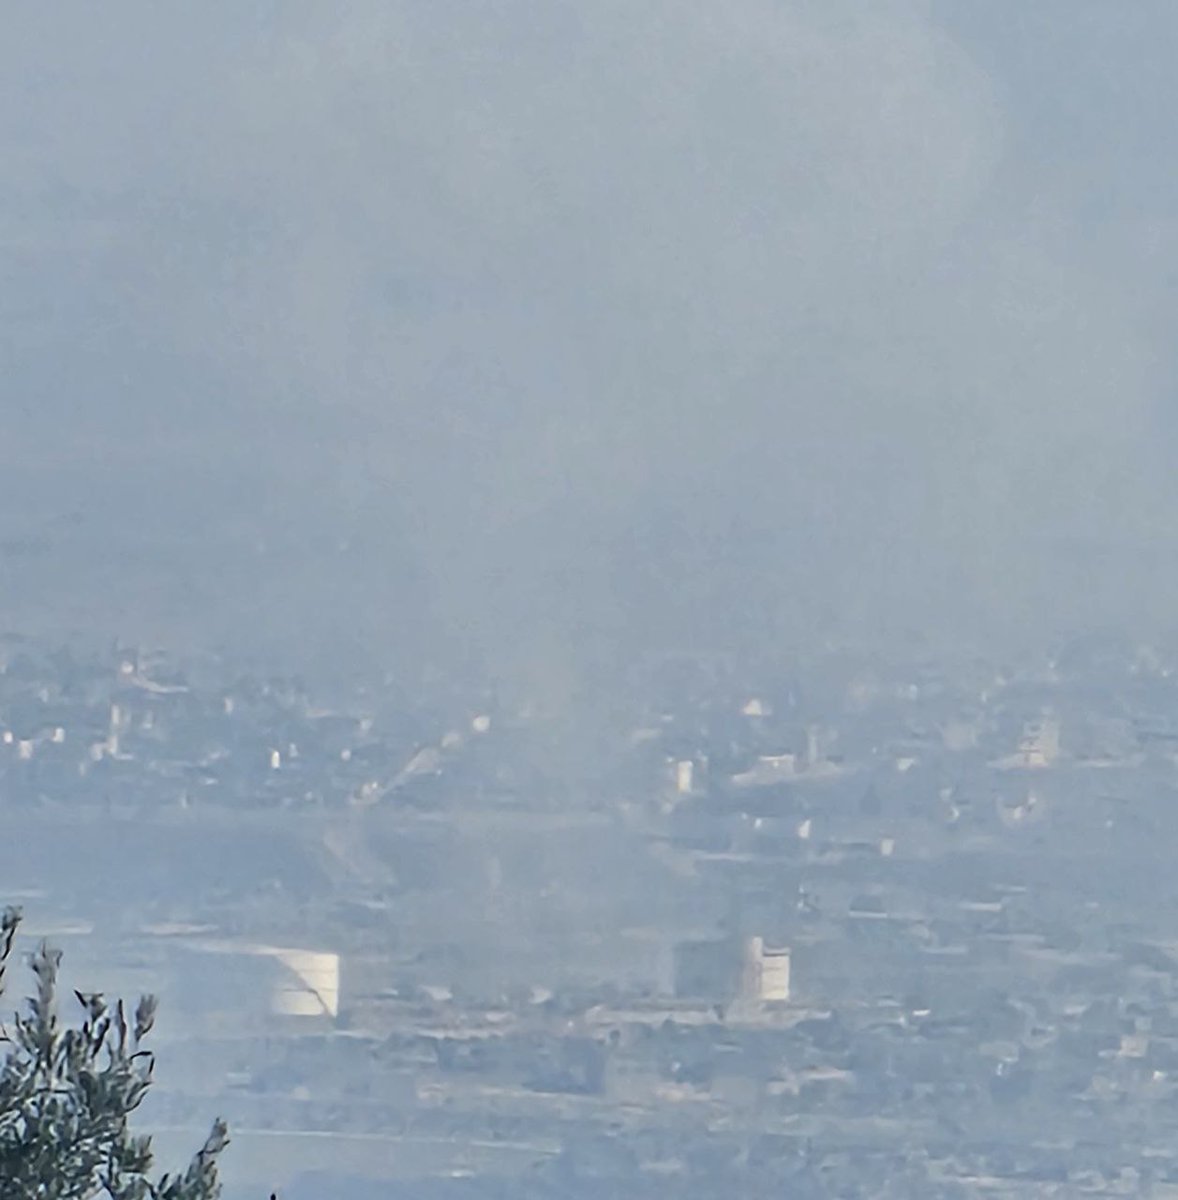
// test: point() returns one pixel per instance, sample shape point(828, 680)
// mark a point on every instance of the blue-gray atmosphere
point(588, 590)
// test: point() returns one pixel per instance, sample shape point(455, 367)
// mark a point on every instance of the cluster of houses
point(838, 927)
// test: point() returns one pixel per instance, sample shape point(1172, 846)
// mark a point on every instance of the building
point(765, 974)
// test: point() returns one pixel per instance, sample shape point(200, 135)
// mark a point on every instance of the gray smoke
point(540, 332)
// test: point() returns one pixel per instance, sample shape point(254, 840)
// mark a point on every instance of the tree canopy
point(67, 1094)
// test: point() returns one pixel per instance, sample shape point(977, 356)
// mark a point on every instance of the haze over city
point(492, 450)
point(518, 326)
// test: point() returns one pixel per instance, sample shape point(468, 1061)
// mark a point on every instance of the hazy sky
point(541, 329)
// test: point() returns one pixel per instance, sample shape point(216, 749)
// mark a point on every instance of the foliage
point(67, 1095)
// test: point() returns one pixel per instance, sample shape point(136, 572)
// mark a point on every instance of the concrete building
point(765, 975)
point(708, 971)
point(724, 970)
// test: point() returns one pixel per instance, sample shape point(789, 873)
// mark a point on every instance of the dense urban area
point(832, 927)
